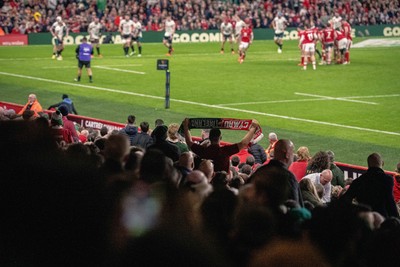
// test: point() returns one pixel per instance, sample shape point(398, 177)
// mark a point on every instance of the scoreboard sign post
point(163, 64)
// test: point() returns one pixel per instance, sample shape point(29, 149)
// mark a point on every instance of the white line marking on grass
point(273, 102)
point(70, 67)
point(126, 65)
point(81, 85)
point(203, 104)
point(371, 96)
point(60, 67)
point(337, 98)
point(121, 70)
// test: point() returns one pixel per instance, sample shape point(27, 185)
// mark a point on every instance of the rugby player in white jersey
point(279, 24)
point(94, 30)
point(136, 36)
point(58, 30)
point(226, 34)
point(126, 29)
point(169, 27)
point(238, 28)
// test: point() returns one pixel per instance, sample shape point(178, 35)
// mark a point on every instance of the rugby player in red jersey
point(308, 39)
point(328, 38)
point(340, 37)
point(246, 38)
point(300, 32)
point(347, 30)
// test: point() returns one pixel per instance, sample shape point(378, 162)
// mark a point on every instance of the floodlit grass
point(351, 109)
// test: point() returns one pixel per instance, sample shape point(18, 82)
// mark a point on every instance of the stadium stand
point(78, 205)
point(33, 16)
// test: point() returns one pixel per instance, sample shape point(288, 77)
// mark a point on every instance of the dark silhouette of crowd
point(38, 15)
point(109, 202)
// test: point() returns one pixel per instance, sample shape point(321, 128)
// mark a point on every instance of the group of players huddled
point(335, 39)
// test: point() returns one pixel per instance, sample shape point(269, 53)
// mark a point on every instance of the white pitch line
point(371, 96)
point(273, 102)
point(305, 100)
point(60, 67)
point(337, 98)
point(204, 105)
point(121, 70)
point(70, 67)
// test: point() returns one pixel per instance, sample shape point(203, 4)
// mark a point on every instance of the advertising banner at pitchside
point(209, 36)
point(13, 39)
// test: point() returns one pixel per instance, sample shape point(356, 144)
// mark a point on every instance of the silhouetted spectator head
point(302, 254)
point(160, 133)
point(63, 109)
point(215, 135)
point(375, 161)
point(28, 115)
point(131, 119)
point(64, 96)
point(103, 131)
point(158, 122)
point(117, 147)
point(144, 126)
point(100, 143)
point(250, 160)
point(235, 160)
point(271, 186)
point(153, 166)
point(246, 168)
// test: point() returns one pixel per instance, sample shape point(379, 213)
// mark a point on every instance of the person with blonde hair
point(299, 167)
point(175, 138)
point(309, 192)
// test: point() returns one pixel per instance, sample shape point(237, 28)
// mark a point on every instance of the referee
point(84, 51)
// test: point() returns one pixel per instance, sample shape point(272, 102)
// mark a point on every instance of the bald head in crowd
point(284, 151)
point(186, 160)
point(375, 161)
point(326, 176)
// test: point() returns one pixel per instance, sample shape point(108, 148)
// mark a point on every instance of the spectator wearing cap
point(219, 154)
point(66, 101)
point(59, 132)
point(69, 125)
point(159, 136)
point(131, 130)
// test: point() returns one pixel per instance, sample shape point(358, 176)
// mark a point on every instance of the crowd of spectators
point(107, 198)
point(17, 16)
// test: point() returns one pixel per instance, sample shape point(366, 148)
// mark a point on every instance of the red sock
point(302, 60)
point(347, 56)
